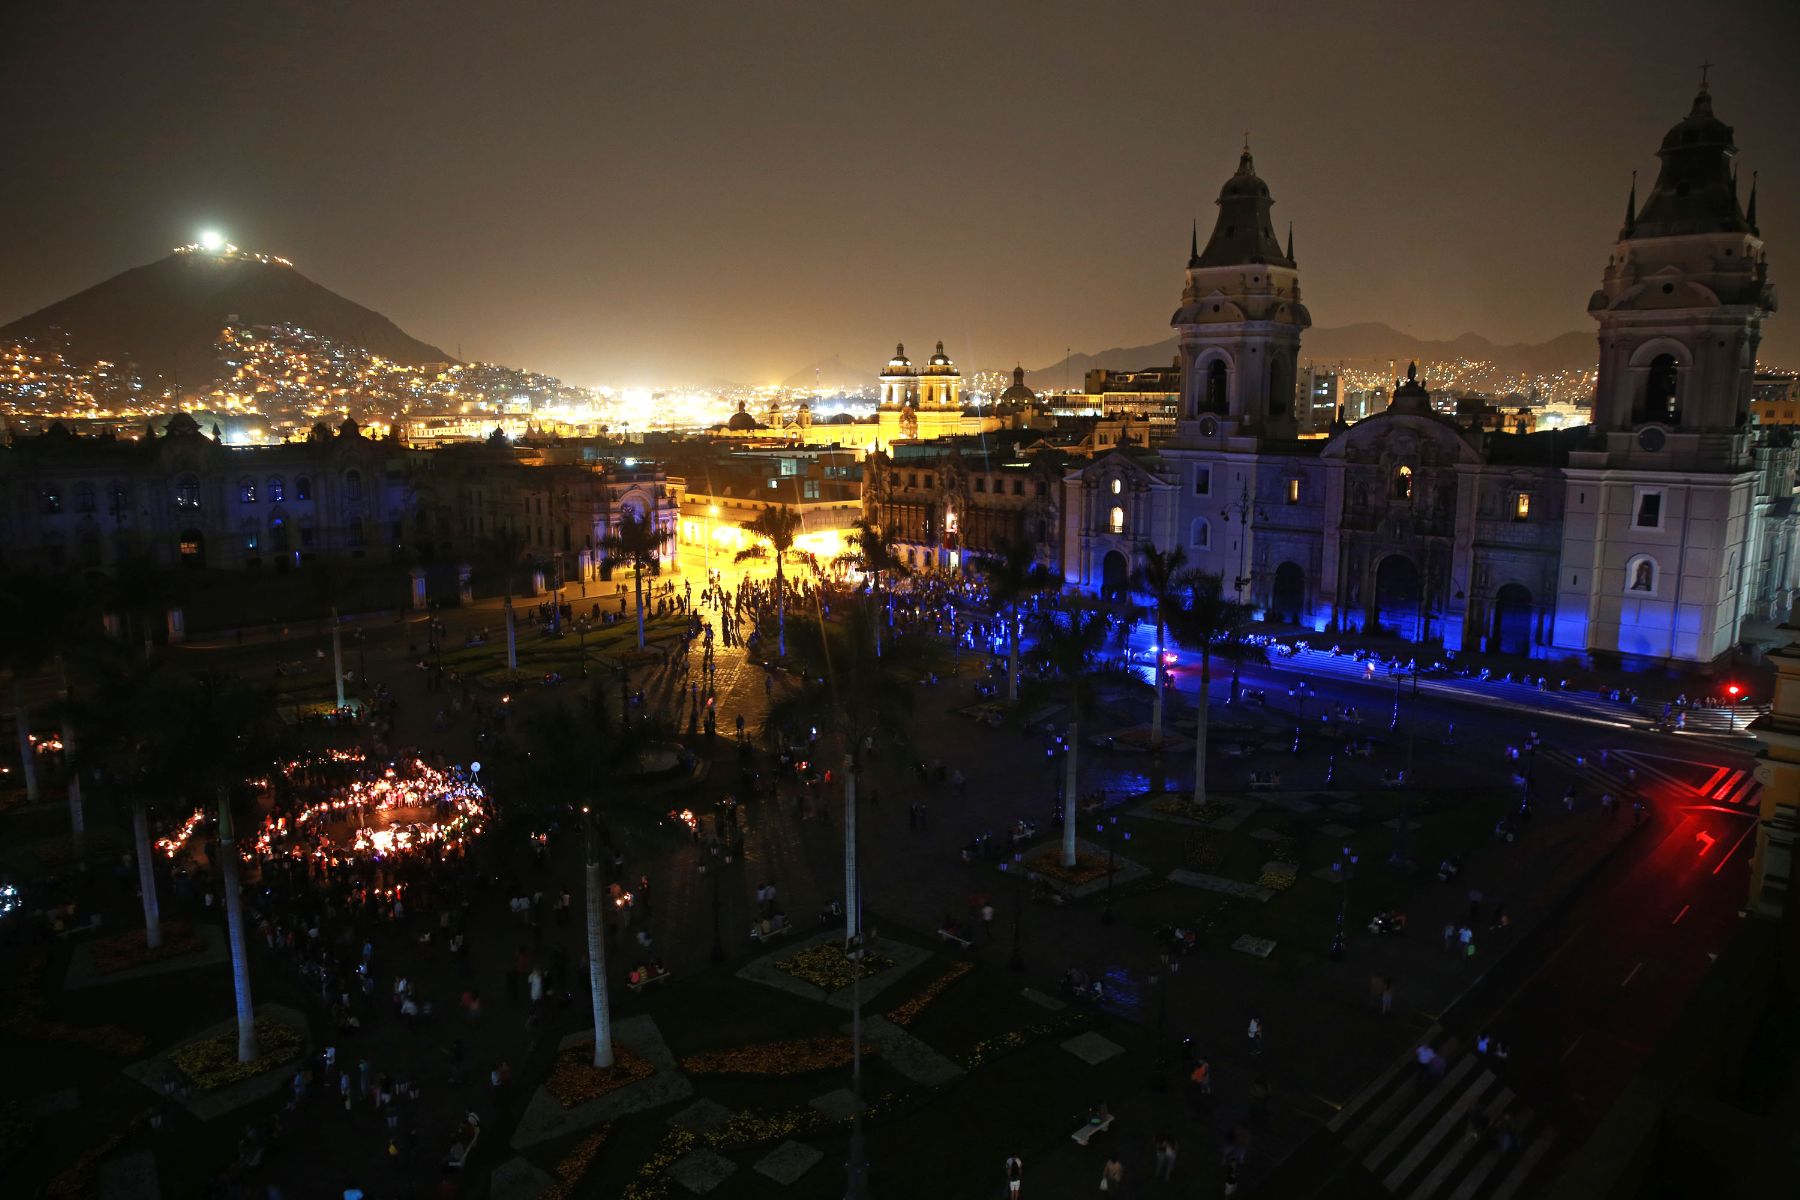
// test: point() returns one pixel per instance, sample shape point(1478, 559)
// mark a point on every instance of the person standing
point(1256, 1035)
point(1015, 1171)
point(1387, 996)
point(1165, 1159)
point(1112, 1176)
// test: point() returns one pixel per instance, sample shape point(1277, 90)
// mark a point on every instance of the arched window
point(187, 491)
point(1200, 533)
point(278, 534)
point(247, 490)
point(1116, 486)
point(1403, 484)
point(1661, 387)
point(1115, 520)
point(276, 490)
point(84, 497)
point(1281, 385)
point(1640, 575)
point(1216, 401)
point(353, 485)
point(303, 488)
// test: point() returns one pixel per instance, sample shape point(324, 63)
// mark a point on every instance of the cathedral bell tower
point(1240, 319)
point(1681, 308)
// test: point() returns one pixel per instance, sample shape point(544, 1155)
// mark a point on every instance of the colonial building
point(942, 508)
point(1649, 537)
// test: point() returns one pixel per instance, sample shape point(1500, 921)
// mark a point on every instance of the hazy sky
point(650, 192)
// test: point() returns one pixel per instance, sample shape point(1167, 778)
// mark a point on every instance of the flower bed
point(575, 1080)
point(123, 951)
point(909, 1012)
point(573, 1166)
point(1014, 1039)
point(1087, 868)
point(211, 1063)
point(826, 967)
point(799, 1057)
point(1200, 851)
point(107, 1039)
point(1181, 806)
point(1275, 878)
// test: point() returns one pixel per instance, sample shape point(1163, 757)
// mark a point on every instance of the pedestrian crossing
point(1448, 1131)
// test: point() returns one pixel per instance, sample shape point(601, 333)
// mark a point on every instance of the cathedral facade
point(1649, 537)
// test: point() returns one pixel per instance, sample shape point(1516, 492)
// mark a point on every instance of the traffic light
point(1732, 690)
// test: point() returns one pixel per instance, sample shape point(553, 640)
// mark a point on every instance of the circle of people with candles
point(338, 809)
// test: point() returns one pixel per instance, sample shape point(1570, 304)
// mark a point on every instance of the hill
point(831, 375)
point(166, 316)
point(1367, 344)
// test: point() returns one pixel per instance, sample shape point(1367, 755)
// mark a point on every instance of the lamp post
point(1301, 692)
point(581, 632)
point(1345, 866)
point(712, 515)
point(1110, 827)
point(1394, 724)
point(1159, 1077)
point(1017, 869)
point(1530, 775)
point(1732, 692)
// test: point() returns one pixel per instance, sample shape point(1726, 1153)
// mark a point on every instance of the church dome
point(1695, 190)
point(1243, 233)
point(940, 359)
point(1018, 397)
point(741, 420)
point(899, 364)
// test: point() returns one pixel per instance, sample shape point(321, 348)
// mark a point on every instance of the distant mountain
point(166, 316)
point(831, 375)
point(1366, 345)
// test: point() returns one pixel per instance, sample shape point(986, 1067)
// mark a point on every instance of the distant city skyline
point(630, 199)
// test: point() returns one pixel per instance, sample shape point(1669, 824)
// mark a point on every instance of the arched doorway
point(1512, 621)
point(1289, 598)
point(1397, 596)
point(1113, 572)
point(1216, 385)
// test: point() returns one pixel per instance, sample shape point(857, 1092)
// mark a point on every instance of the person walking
point(1256, 1035)
point(1387, 996)
point(1112, 1175)
point(1165, 1158)
point(1015, 1171)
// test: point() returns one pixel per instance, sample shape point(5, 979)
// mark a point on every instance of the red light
point(1732, 689)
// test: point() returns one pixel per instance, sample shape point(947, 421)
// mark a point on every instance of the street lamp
point(1344, 867)
point(1733, 691)
point(1529, 777)
point(581, 632)
point(1394, 724)
point(1018, 872)
point(1160, 1068)
point(712, 515)
point(1110, 827)
point(1301, 692)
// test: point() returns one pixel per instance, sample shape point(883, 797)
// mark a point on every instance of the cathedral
point(1647, 538)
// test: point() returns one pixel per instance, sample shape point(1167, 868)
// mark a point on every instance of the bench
point(1087, 1129)
point(757, 934)
point(645, 981)
point(959, 939)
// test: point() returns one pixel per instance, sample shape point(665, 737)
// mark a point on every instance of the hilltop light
point(212, 241)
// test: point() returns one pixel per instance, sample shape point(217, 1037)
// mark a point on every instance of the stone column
point(419, 598)
point(465, 586)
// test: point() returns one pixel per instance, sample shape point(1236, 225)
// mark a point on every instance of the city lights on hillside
point(212, 240)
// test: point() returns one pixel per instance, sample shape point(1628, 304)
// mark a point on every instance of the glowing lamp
point(1732, 690)
point(212, 240)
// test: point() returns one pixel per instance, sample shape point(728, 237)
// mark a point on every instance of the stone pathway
point(786, 1163)
point(906, 1053)
point(700, 1171)
point(1217, 883)
point(1092, 1049)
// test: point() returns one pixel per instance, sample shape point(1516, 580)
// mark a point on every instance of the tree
point(508, 548)
point(637, 542)
point(872, 553)
point(853, 694)
point(1070, 644)
point(143, 589)
point(327, 581)
point(1157, 575)
point(1013, 577)
point(775, 530)
point(1201, 617)
point(571, 752)
point(41, 617)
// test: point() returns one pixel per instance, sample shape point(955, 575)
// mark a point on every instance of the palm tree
point(1197, 621)
point(128, 729)
point(636, 541)
point(573, 751)
point(1157, 575)
point(40, 617)
point(326, 579)
point(775, 530)
point(507, 547)
point(1013, 577)
point(852, 693)
point(872, 553)
point(1069, 645)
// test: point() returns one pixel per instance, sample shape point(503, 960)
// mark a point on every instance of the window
point(809, 489)
point(50, 501)
point(303, 488)
point(275, 490)
point(912, 479)
point(1200, 534)
point(1522, 506)
point(1202, 481)
point(192, 547)
point(1649, 508)
point(353, 485)
point(1293, 491)
point(84, 498)
point(1215, 388)
point(247, 491)
point(1662, 401)
point(927, 480)
point(1117, 486)
point(357, 538)
point(187, 491)
point(1115, 521)
point(1640, 574)
point(980, 483)
point(1403, 484)
point(119, 503)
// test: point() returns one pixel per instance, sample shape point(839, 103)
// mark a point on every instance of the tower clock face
point(1209, 427)
point(1651, 438)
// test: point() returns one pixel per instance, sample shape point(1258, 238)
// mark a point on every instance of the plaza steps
point(1407, 1135)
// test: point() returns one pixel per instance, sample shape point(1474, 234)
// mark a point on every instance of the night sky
point(645, 193)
